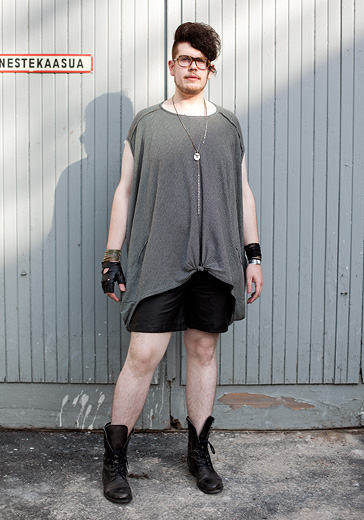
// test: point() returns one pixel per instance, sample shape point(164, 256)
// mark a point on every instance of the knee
point(142, 361)
point(202, 349)
point(205, 355)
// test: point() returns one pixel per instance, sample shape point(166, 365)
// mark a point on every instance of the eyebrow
point(194, 57)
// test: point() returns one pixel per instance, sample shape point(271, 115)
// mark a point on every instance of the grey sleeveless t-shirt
point(174, 227)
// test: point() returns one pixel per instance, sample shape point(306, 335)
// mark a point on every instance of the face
point(189, 80)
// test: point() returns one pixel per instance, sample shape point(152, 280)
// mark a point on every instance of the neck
point(192, 105)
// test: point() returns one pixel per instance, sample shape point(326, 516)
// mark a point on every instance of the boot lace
point(119, 463)
point(203, 457)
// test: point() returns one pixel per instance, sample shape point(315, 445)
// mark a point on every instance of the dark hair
point(201, 36)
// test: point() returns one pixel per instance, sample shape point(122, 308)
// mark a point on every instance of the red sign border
point(65, 71)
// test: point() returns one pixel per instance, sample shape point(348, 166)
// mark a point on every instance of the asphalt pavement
point(294, 475)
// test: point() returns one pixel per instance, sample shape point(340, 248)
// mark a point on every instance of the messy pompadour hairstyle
point(201, 36)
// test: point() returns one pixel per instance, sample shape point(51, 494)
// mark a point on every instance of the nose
point(193, 65)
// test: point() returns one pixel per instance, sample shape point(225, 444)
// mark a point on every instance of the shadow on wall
point(76, 312)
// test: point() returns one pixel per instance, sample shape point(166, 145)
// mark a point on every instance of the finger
point(252, 298)
point(249, 285)
point(258, 289)
point(122, 287)
point(113, 296)
point(258, 286)
point(256, 293)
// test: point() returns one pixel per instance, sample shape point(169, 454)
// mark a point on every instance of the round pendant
point(196, 156)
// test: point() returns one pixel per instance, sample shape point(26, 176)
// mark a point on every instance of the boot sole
point(214, 492)
point(208, 492)
point(119, 501)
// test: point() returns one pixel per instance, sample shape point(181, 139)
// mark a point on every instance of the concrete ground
point(303, 475)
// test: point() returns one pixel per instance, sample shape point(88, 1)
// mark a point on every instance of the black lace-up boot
point(198, 458)
point(115, 470)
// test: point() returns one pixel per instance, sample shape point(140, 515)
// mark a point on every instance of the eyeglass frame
point(208, 62)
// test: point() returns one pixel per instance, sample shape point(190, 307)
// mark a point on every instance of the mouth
point(192, 77)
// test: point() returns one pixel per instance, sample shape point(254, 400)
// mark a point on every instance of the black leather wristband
point(253, 251)
point(114, 274)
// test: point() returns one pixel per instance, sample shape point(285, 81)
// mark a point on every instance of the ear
point(171, 67)
point(211, 72)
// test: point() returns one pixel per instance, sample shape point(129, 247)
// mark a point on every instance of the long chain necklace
point(196, 155)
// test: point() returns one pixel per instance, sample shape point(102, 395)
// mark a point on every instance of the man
point(179, 206)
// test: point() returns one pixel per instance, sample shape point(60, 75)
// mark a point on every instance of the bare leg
point(201, 375)
point(145, 352)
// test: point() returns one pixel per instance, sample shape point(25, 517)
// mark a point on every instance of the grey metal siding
point(292, 72)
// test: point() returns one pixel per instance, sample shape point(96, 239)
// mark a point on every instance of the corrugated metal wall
point(293, 73)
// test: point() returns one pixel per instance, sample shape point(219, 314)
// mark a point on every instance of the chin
point(190, 89)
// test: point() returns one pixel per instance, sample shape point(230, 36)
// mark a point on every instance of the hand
point(111, 273)
point(254, 275)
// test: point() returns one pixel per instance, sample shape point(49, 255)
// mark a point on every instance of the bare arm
point(120, 207)
point(253, 272)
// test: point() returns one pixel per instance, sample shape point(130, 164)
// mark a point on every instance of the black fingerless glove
point(114, 274)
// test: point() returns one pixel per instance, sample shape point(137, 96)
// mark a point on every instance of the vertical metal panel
point(292, 72)
point(318, 193)
point(173, 19)
point(100, 195)
point(242, 111)
point(62, 200)
point(75, 116)
point(306, 182)
point(202, 11)
point(188, 9)
point(280, 194)
point(265, 215)
point(47, 241)
point(23, 205)
point(156, 52)
point(332, 188)
point(345, 193)
point(254, 146)
point(10, 205)
point(357, 280)
point(87, 282)
point(346, 367)
point(140, 46)
point(293, 190)
point(215, 19)
point(36, 201)
point(227, 73)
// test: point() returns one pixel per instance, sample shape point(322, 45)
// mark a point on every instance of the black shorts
point(203, 303)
